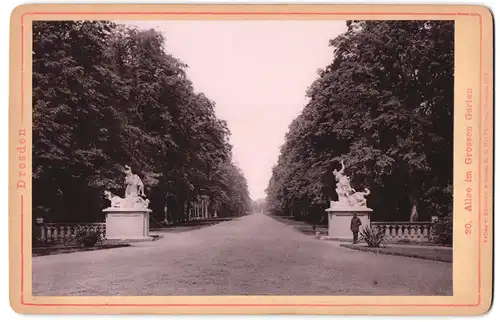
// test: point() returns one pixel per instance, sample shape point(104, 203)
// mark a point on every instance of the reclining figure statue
point(358, 199)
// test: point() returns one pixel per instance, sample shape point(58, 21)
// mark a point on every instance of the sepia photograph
point(242, 157)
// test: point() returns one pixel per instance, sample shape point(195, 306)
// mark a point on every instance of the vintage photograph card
point(251, 159)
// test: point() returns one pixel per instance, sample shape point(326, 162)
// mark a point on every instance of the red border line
point(22, 249)
point(22, 69)
point(239, 305)
point(480, 160)
point(252, 14)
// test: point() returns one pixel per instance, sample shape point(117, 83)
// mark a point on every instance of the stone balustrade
point(58, 232)
point(417, 232)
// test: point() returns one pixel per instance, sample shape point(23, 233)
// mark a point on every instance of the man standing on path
point(355, 223)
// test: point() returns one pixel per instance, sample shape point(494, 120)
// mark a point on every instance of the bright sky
point(257, 72)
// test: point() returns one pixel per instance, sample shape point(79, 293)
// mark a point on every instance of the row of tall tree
point(108, 95)
point(384, 105)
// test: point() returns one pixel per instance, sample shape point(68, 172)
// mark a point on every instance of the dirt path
point(253, 255)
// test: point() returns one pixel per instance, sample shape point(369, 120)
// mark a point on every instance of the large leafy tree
point(384, 105)
point(106, 95)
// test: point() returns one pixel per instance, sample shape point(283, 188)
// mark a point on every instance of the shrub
point(86, 239)
point(90, 240)
point(36, 237)
point(443, 230)
point(373, 237)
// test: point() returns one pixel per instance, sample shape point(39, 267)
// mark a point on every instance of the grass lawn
point(430, 253)
point(302, 226)
point(61, 249)
point(190, 225)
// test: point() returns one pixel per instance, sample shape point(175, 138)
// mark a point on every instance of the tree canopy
point(106, 95)
point(385, 106)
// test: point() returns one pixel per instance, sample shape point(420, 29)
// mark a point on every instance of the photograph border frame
point(289, 12)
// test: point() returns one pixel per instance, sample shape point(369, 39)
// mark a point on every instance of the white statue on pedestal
point(348, 197)
point(134, 193)
point(135, 187)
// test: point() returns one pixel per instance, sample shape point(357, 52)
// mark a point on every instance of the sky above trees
point(257, 73)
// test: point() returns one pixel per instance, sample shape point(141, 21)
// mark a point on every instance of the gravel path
point(254, 255)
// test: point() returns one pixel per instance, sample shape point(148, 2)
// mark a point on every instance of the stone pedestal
point(127, 224)
point(339, 221)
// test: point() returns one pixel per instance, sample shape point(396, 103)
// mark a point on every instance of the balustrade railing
point(59, 232)
point(419, 232)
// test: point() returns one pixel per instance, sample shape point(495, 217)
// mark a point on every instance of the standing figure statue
point(134, 185)
point(344, 188)
point(343, 181)
point(134, 193)
point(346, 194)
